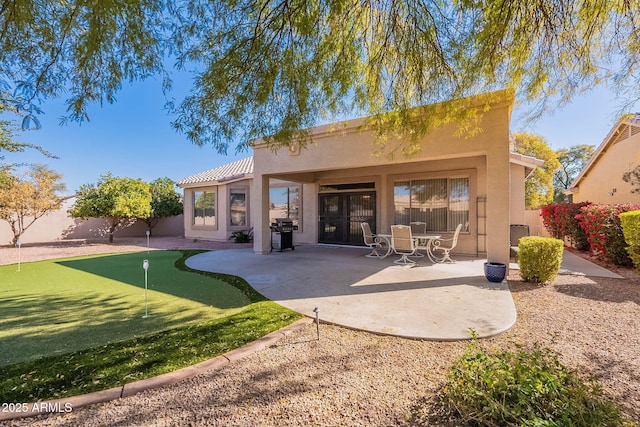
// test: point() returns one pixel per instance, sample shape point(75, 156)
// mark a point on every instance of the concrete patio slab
point(428, 301)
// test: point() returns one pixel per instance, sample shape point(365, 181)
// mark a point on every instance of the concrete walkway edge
point(68, 404)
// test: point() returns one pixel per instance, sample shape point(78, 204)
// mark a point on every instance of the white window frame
point(239, 188)
point(216, 215)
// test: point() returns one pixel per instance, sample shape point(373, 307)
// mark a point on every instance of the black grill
point(284, 228)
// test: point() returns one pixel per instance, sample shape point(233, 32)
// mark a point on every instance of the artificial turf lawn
point(119, 363)
point(105, 366)
point(60, 306)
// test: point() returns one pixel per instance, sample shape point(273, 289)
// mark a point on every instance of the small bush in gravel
point(539, 258)
point(630, 222)
point(524, 389)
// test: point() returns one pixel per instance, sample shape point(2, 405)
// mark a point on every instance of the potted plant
point(495, 271)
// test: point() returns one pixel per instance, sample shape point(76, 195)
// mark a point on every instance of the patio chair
point(517, 231)
point(370, 240)
point(418, 227)
point(446, 250)
point(403, 244)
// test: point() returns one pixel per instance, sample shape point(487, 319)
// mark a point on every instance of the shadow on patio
point(429, 301)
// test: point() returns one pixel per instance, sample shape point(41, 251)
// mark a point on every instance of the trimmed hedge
point(539, 258)
point(630, 222)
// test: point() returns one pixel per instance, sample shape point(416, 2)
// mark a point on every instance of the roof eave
point(627, 119)
point(197, 184)
point(216, 182)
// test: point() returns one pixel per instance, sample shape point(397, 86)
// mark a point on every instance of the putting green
point(65, 305)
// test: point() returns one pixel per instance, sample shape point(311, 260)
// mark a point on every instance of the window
point(204, 208)
point(442, 203)
point(284, 202)
point(238, 207)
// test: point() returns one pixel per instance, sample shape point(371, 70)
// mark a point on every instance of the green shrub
point(539, 258)
point(630, 222)
point(524, 389)
point(242, 236)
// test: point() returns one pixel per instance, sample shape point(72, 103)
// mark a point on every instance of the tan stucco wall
point(222, 230)
point(533, 219)
point(605, 175)
point(58, 225)
point(516, 206)
point(347, 155)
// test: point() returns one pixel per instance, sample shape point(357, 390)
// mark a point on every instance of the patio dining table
point(424, 242)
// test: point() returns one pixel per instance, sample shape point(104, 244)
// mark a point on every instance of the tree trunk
point(16, 233)
point(112, 230)
point(151, 222)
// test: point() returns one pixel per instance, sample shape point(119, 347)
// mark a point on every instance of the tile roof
point(228, 172)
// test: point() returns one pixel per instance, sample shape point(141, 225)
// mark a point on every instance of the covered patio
point(429, 301)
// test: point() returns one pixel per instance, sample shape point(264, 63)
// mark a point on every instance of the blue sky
point(133, 136)
point(129, 138)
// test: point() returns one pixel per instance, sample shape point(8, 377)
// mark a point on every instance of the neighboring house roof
point(627, 126)
point(240, 169)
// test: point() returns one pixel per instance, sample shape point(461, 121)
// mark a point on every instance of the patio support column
point(384, 203)
point(260, 209)
point(498, 204)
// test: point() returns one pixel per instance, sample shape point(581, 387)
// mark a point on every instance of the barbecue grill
point(283, 227)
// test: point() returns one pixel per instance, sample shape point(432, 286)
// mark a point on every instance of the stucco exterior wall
point(222, 229)
point(517, 203)
point(603, 182)
point(347, 154)
point(58, 225)
point(533, 219)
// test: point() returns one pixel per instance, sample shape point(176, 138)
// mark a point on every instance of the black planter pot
point(495, 271)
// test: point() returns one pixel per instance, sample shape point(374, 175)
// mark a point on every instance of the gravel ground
point(356, 378)
point(69, 248)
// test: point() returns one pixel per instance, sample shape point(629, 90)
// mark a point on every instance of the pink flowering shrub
point(560, 220)
point(601, 224)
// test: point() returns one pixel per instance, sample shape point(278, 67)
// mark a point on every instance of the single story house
point(334, 183)
point(600, 181)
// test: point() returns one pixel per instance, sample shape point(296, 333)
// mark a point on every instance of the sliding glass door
point(340, 215)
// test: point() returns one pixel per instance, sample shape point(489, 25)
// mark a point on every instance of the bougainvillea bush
point(601, 223)
point(560, 220)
